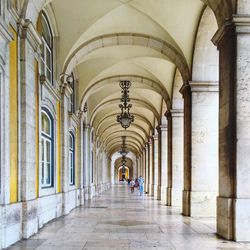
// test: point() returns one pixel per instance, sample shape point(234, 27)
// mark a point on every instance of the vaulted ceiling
point(144, 41)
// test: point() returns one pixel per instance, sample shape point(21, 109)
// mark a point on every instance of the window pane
point(42, 50)
point(48, 58)
point(45, 124)
point(48, 147)
point(49, 75)
point(48, 177)
point(42, 172)
point(43, 150)
point(46, 32)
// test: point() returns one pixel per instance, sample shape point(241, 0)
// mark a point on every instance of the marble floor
point(120, 220)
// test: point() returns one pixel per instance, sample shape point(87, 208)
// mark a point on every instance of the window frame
point(44, 47)
point(47, 138)
point(72, 161)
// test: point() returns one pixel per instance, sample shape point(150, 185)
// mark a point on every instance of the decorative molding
point(177, 112)
point(49, 87)
point(204, 86)
point(28, 31)
point(5, 33)
point(185, 89)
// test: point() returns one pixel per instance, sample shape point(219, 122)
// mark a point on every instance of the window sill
point(44, 81)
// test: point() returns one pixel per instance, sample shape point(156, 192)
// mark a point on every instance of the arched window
point(47, 176)
point(47, 50)
point(71, 159)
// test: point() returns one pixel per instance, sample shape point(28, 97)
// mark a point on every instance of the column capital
point(204, 86)
point(155, 137)
point(185, 89)
point(163, 127)
point(177, 112)
point(65, 89)
point(27, 31)
point(168, 114)
point(239, 24)
point(86, 126)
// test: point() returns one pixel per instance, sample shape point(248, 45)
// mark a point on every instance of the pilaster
point(233, 42)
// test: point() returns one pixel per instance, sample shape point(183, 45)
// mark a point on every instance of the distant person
point(132, 186)
point(141, 182)
point(128, 182)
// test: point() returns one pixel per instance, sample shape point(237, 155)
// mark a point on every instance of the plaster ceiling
point(142, 40)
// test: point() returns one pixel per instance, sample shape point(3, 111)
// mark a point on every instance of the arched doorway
point(123, 173)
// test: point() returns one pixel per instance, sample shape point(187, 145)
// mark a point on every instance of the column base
point(86, 193)
point(30, 218)
point(156, 192)
point(163, 195)
point(176, 197)
point(186, 202)
point(169, 196)
point(82, 196)
point(151, 190)
point(148, 188)
point(233, 218)
point(199, 204)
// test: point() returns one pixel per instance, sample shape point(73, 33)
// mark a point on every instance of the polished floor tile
point(121, 220)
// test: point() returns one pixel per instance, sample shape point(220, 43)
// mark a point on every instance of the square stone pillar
point(66, 91)
point(86, 165)
point(157, 193)
point(163, 158)
point(80, 154)
point(151, 167)
point(201, 171)
point(177, 158)
point(146, 169)
point(233, 202)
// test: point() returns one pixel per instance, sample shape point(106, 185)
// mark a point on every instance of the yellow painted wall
point(58, 147)
point(13, 118)
point(37, 127)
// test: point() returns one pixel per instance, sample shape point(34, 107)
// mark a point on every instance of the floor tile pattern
point(121, 220)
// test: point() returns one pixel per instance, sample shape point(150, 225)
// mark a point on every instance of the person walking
point(132, 185)
point(141, 182)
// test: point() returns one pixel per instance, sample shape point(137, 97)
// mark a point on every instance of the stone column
point(66, 91)
point(146, 170)
point(163, 134)
point(185, 90)
point(156, 166)
point(29, 52)
point(139, 165)
point(80, 154)
point(200, 179)
point(177, 158)
point(233, 203)
point(86, 166)
point(151, 166)
point(170, 158)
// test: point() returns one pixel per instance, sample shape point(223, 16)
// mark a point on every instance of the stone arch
point(138, 117)
point(135, 101)
point(134, 39)
point(205, 66)
point(149, 83)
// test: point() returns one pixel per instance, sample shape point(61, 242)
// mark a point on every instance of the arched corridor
point(93, 92)
point(120, 220)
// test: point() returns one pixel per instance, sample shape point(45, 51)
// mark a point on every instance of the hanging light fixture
point(125, 118)
point(123, 151)
point(123, 163)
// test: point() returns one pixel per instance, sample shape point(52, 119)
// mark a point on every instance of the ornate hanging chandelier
point(123, 151)
point(123, 163)
point(125, 118)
